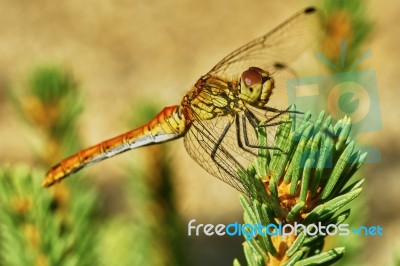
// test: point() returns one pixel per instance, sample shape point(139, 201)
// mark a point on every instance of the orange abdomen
point(169, 124)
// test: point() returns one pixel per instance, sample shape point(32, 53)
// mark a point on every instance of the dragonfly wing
point(213, 144)
point(221, 145)
point(276, 49)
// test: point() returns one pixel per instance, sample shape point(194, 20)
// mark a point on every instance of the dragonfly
point(218, 116)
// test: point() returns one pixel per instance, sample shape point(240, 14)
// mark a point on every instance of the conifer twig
point(306, 184)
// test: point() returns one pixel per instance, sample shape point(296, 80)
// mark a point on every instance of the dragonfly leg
point(256, 123)
point(278, 113)
point(217, 148)
point(239, 139)
point(220, 139)
point(253, 121)
point(274, 110)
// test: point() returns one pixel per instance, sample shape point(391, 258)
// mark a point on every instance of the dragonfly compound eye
point(251, 85)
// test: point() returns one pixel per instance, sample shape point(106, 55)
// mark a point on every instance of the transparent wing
point(225, 145)
point(213, 145)
point(276, 49)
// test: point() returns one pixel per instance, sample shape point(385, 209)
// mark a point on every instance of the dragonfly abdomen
point(169, 124)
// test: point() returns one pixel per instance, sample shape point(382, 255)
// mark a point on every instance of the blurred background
point(121, 63)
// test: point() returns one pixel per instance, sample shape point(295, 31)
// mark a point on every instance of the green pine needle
point(33, 232)
point(304, 184)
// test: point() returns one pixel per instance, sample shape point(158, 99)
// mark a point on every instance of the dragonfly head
point(256, 86)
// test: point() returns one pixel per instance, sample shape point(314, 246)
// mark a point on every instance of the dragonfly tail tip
point(46, 183)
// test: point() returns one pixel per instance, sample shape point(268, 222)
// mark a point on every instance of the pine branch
point(56, 226)
point(33, 232)
point(348, 29)
point(306, 184)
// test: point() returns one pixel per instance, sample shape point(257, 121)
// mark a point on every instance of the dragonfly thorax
point(256, 86)
point(211, 97)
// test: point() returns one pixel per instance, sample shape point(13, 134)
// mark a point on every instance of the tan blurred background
point(125, 52)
